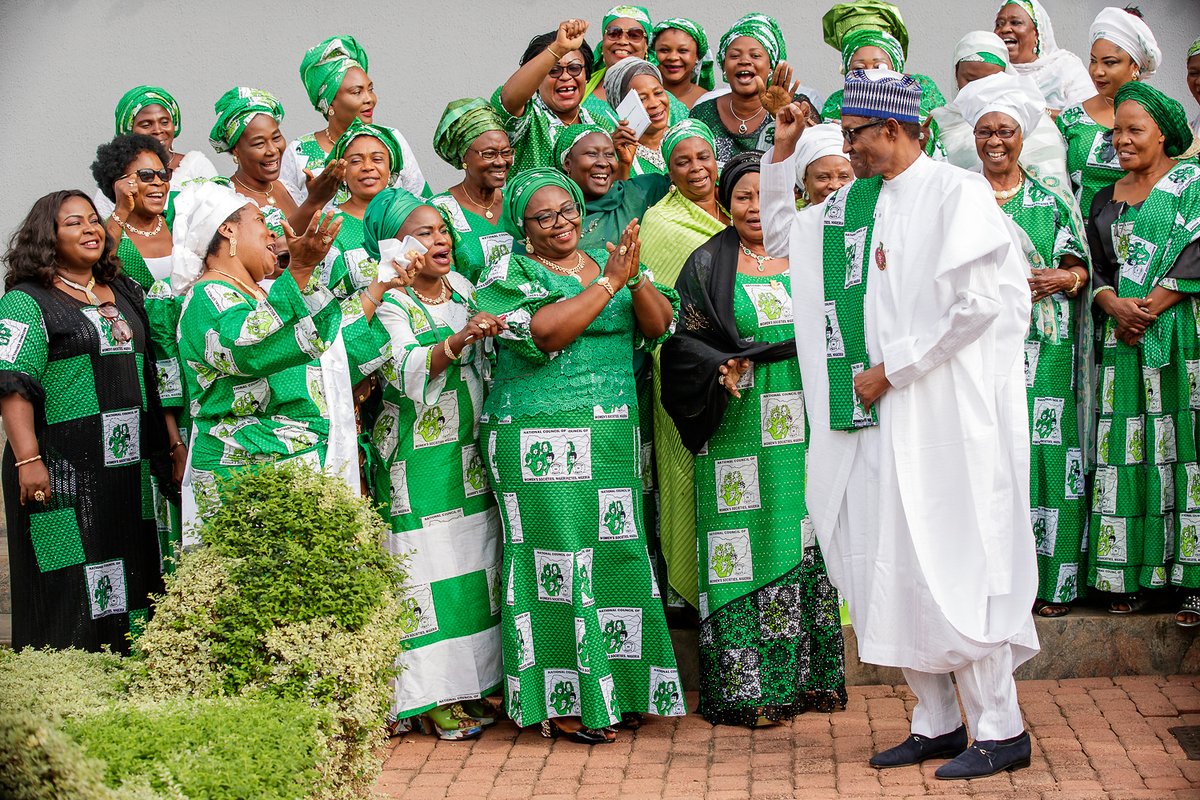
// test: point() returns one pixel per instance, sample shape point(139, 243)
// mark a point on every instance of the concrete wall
point(66, 62)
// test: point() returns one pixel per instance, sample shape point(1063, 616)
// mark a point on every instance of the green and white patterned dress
point(478, 244)
point(532, 134)
point(1058, 498)
point(1091, 158)
point(770, 635)
point(582, 619)
point(305, 153)
point(1145, 522)
point(434, 493)
point(347, 268)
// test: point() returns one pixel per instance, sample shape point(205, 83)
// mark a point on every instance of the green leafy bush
point(292, 595)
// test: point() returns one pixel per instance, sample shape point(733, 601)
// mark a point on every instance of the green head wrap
point(569, 136)
point(521, 189)
point(386, 212)
point(1194, 50)
point(703, 74)
point(760, 27)
point(685, 129)
point(866, 37)
point(359, 128)
point(639, 14)
point(1166, 112)
point(235, 109)
point(845, 18)
point(462, 123)
point(139, 97)
point(325, 65)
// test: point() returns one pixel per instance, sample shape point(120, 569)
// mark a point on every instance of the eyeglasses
point(491, 154)
point(636, 34)
point(548, 219)
point(987, 133)
point(850, 134)
point(121, 332)
point(574, 69)
point(148, 175)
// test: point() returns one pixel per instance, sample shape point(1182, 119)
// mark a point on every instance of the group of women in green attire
point(568, 382)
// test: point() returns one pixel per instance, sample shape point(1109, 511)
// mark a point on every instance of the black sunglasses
point(574, 69)
point(148, 175)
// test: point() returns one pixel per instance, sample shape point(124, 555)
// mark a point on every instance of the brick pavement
point(1094, 739)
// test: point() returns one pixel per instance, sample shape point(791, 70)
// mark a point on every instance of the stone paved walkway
point(1094, 739)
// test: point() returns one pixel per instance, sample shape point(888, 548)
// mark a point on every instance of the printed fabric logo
point(122, 437)
point(729, 556)
point(417, 614)
point(12, 336)
point(622, 632)
point(666, 692)
point(554, 572)
point(106, 588)
point(556, 454)
point(616, 515)
point(438, 423)
point(562, 692)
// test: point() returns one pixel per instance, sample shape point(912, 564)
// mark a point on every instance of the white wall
point(64, 63)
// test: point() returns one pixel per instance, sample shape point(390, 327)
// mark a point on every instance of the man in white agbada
point(911, 308)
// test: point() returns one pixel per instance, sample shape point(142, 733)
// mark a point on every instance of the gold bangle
point(606, 284)
point(177, 444)
point(38, 457)
point(1078, 282)
point(449, 353)
point(550, 50)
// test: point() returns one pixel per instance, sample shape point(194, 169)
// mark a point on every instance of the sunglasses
point(574, 69)
point(148, 175)
point(121, 332)
point(632, 34)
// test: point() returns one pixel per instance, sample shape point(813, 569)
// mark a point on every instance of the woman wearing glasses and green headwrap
point(334, 73)
point(585, 637)
point(681, 48)
point(153, 111)
point(871, 35)
point(626, 34)
point(1145, 247)
point(471, 136)
point(430, 480)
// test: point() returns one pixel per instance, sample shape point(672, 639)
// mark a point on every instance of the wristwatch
point(607, 284)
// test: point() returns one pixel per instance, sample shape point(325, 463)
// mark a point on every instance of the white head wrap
point(1059, 74)
point(1131, 34)
point(199, 210)
point(817, 142)
point(1016, 96)
point(970, 46)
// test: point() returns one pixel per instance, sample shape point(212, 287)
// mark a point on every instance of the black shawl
point(707, 337)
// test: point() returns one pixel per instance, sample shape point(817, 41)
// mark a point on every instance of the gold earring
point(464, 165)
point(528, 246)
point(232, 246)
point(236, 163)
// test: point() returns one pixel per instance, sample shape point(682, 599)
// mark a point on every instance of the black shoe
point(917, 748)
point(987, 758)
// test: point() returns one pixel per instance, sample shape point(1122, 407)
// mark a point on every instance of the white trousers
point(989, 697)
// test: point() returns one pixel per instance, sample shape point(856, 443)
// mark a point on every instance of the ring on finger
point(40, 496)
point(326, 239)
point(623, 250)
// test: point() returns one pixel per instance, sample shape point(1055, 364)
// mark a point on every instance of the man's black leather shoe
point(987, 758)
point(917, 748)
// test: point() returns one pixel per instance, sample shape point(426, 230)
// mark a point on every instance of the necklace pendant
point(742, 129)
point(489, 214)
point(760, 266)
point(880, 257)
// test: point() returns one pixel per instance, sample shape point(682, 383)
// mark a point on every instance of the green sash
point(1167, 222)
point(849, 223)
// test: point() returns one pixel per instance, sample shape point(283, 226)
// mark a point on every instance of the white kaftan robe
point(924, 519)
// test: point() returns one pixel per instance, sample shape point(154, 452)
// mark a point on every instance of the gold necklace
point(572, 272)
point(329, 137)
point(255, 292)
point(148, 234)
point(487, 210)
point(760, 259)
point(443, 294)
point(1004, 195)
point(267, 194)
point(742, 129)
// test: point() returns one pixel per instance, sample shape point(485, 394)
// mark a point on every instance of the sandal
point(1048, 610)
point(450, 723)
point(1130, 603)
point(552, 729)
point(1188, 615)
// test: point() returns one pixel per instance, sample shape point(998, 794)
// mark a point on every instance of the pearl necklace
point(760, 259)
point(443, 294)
point(148, 234)
point(573, 272)
point(1004, 195)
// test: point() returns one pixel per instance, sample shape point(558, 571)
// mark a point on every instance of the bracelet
point(550, 50)
point(38, 457)
point(367, 294)
point(604, 282)
point(1101, 290)
point(636, 286)
point(449, 353)
point(176, 444)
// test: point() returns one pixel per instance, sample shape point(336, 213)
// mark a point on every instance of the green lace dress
point(1056, 472)
point(532, 134)
point(770, 635)
point(434, 495)
point(478, 243)
point(583, 627)
point(1091, 158)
